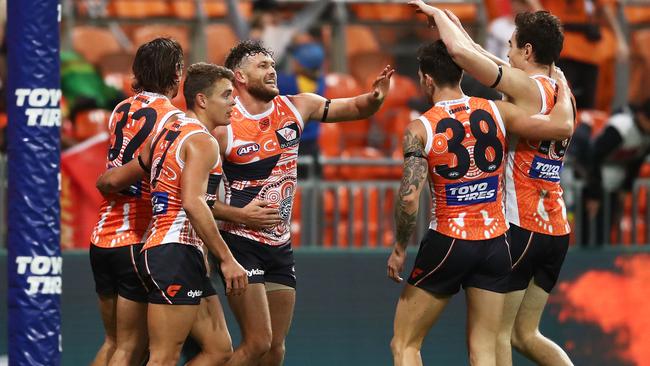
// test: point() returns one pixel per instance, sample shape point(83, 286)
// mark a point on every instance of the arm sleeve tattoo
point(413, 178)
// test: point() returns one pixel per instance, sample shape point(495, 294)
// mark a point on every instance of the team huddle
point(498, 225)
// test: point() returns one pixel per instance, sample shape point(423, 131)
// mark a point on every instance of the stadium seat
point(93, 43)
point(221, 38)
point(639, 66)
point(90, 123)
point(179, 100)
point(383, 12)
point(146, 33)
point(637, 13)
point(339, 85)
point(366, 66)
point(116, 71)
point(329, 141)
point(594, 118)
point(139, 9)
point(296, 218)
point(360, 39)
point(361, 172)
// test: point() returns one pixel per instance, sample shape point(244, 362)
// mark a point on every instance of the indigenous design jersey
point(261, 164)
point(533, 192)
point(170, 223)
point(465, 151)
point(124, 217)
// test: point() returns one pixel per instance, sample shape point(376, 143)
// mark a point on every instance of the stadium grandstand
point(343, 224)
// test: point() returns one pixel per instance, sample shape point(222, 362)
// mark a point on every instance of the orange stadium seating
point(93, 43)
point(146, 33)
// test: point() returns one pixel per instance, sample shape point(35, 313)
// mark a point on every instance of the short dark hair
point(436, 62)
point(156, 64)
point(243, 50)
point(200, 78)
point(543, 31)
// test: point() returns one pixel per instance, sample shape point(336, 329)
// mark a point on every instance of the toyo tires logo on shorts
point(43, 273)
point(42, 106)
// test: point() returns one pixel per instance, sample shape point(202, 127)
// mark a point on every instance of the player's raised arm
point(200, 156)
point(511, 81)
point(414, 177)
point(558, 125)
point(316, 107)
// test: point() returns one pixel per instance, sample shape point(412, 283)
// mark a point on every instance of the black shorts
point(175, 274)
point(263, 263)
point(443, 264)
point(115, 271)
point(535, 255)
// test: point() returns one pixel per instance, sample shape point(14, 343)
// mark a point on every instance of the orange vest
point(533, 192)
point(465, 149)
point(170, 223)
point(261, 164)
point(124, 217)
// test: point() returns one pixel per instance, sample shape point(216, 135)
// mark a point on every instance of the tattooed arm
point(414, 177)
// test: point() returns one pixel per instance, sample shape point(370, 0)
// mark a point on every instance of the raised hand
point(381, 85)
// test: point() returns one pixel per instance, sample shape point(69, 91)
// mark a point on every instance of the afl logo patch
point(288, 136)
point(248, 149)
point(265, 123)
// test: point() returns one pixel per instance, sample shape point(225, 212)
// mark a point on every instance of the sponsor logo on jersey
point(471, 193)
point(545, 169)
point(248, 149)
point(288, 136)
point(265, 123)
point(43, 273)
point(159, 201)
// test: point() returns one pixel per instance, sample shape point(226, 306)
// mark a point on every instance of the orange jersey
point(261, 164)
point(533, 192)
point(465, 149)
point(124, 217)
point(170, 223)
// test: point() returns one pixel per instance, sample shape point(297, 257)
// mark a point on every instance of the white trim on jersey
point(243, 110)
point(446, 103)
point(294, 110)
point(542, 95)
point(498, 115)
point(153, 95)
point(180, 161)
point(512, 210)
point(173, 234)
point(433, 222)
point(229, 140)
point(427, 127)
point(166, 117)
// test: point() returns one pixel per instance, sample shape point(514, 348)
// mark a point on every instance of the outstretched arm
point(414, 176)
point(316, 107)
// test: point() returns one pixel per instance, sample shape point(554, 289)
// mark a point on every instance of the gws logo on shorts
point(194, 293)
point(255, 272)
point(248, 149)
point(545, 169)
point(288, 136)
point(159, 201)
point(471, 193)
point(43, 273)
point(172, 290)
point(42, 106)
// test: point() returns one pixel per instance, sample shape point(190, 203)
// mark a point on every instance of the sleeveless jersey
point(261, 163)
point(170, 223)
point(465, 149)
point(533, 192)
point(125, 216)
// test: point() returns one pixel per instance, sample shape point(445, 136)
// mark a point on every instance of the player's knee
point(257, 347)
point(521, 338)
point(277, 351)
point(400, 346)
point(504, 339)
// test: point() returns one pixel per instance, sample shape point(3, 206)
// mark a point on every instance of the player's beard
point(262, 92)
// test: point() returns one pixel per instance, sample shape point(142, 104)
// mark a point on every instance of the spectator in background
point(501, 28)
point(588, 43)
point(624, 142)
point(307, 76)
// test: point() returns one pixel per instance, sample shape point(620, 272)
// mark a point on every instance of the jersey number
point(484, 140)
point(149, 115)
point(170, 137)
